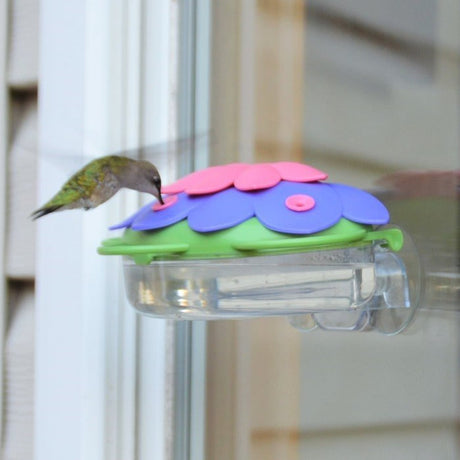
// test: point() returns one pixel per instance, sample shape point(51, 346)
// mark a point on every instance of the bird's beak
point(160, 198)
point(157, 186)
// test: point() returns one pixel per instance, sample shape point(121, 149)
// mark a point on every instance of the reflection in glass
point(368, 91)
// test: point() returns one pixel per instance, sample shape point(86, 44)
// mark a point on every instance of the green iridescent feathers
point(85, 188)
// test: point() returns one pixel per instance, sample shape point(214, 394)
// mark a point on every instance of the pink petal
point(178, 186)
point(214, 179)
point(298, 172)
point(299, 202)
point(257, 177)
point(209, 180)
point(168, 201)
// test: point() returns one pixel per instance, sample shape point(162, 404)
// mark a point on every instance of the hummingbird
point(99, 180)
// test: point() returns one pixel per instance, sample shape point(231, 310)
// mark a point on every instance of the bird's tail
point(44, 211)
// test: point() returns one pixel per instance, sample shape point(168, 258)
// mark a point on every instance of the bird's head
point(149, 180)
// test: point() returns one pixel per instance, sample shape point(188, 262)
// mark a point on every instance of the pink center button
point(169, 201)
point(299, 202)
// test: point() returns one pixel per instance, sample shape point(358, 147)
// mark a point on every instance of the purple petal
point(272, 211)
point(222, 210)
point(127, 222)
point(360, 206)
point(150, 219)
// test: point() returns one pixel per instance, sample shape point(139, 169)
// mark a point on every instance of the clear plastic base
point(356, 288)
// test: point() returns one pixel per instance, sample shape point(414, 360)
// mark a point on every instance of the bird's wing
point(87, 188)
point(81, 186)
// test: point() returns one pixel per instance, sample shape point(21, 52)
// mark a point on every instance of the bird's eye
point(157, 181)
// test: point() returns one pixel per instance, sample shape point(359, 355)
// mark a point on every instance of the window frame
point(102, 372)
point(4, 105)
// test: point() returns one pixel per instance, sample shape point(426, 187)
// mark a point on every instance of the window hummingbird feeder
point(270, 239)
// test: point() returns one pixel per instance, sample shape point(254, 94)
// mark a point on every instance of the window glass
point(369, 93)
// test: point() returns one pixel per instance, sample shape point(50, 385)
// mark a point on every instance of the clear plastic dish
point(342, 289)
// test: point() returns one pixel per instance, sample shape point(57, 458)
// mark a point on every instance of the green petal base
point(250, 238)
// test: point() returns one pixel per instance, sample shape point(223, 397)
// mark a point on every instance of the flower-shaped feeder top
point(196, 255)
point(240, 209)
